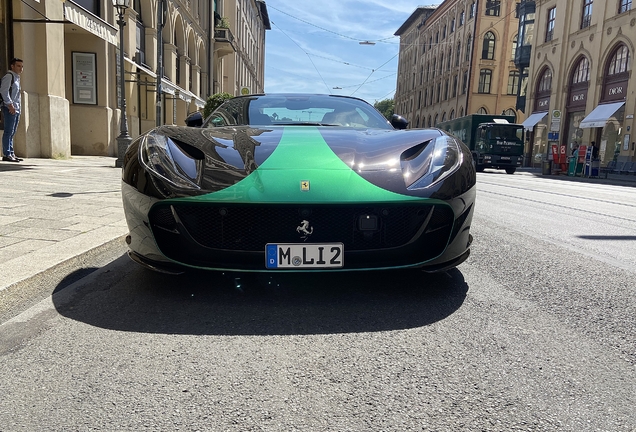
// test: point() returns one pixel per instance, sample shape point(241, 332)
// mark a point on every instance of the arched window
point(581, 71)
point(488, 48)
point(430, 124)
point(485, 78)
point(545, 82)
point(461, 111)
point(511, 112)
point(482, 110)
point(468, 46)
point(616, 76)
point(619, 62)
point(514, 47)
point(450, 57)
point(544, 89)
point(436, 117)
point(458, 53)
point(452, 115)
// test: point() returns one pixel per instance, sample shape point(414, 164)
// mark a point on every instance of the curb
point(20, 295)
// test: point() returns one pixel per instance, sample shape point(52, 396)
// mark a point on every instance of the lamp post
point(123, 140)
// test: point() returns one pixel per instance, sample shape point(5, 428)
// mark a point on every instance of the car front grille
point(248, 228)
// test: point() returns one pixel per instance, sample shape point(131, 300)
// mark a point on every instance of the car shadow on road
point(215, 303)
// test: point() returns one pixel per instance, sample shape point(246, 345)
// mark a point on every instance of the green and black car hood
point(283, 163)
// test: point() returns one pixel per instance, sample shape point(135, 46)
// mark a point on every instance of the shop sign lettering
point(615, 91)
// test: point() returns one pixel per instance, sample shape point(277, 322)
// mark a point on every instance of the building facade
point(458, 59)
point(579, 90)
point(71, 84)
point(239, 57)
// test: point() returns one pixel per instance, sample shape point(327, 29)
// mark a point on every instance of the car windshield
point(310, 110)
point(506, 132)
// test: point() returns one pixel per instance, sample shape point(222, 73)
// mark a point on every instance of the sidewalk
point(613, 179)
point(54, 210)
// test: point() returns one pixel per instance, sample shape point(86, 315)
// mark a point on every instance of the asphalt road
point(535, 332)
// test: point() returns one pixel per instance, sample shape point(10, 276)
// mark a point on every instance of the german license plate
point(505, 158)
point(303, 255)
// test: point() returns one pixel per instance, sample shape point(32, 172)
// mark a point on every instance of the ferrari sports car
point(297, 182)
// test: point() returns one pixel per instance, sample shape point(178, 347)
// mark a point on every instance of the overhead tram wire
point(369, 82)
point(307, 54)
point(372, 72)
point(384, 40)
point(330, 31)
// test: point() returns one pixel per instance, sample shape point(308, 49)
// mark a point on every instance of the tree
point(214, 101)
point(386, 107)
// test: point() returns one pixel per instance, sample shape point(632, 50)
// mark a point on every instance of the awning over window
point(534, 118)
point(141, 68)
point(599, 115)
point(89, 22)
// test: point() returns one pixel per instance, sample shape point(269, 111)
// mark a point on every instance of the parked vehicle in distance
point(298, 182)
point(494, 140)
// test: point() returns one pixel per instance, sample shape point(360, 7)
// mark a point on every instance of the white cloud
point(314, 47)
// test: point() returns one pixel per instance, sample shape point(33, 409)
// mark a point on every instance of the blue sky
point(313, 46)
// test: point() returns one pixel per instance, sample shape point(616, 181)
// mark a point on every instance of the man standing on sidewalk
point(10, 93)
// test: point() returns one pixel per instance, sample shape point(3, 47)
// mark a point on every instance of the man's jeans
point(10, 126)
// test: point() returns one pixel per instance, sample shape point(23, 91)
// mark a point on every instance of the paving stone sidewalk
point(53, 210)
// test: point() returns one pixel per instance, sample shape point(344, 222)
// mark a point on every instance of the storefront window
point(611, 137)
point(575, 133)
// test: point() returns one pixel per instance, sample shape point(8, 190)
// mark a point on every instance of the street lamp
point(123, 140)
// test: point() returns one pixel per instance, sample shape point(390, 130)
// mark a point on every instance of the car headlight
point(429, 163)
point(165, 159)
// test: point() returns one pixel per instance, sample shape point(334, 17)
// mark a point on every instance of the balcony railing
point(224, 41)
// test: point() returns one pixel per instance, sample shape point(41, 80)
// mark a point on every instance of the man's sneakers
point(10, 159)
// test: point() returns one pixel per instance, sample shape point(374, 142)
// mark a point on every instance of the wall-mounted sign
point(614, 90)
point(245, 90)
point(84, 78)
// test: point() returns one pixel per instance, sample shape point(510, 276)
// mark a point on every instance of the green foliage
point(386, 107)
point(214, 101)
point(224, 24)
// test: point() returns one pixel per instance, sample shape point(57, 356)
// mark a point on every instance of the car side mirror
point(194, 120)
point(399, 122)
